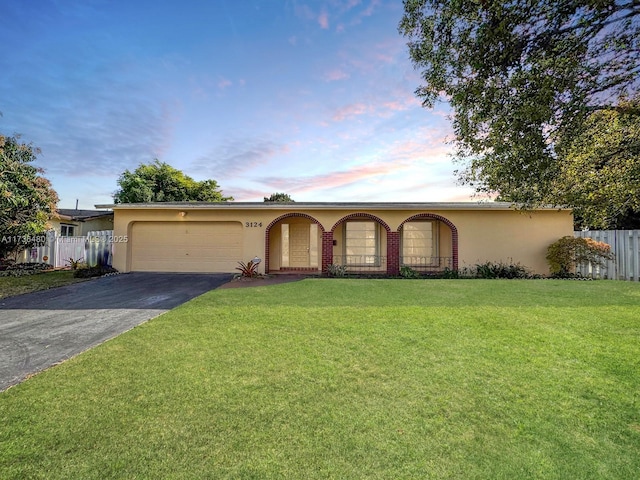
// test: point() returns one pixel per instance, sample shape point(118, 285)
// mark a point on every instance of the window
point(284, 245)
point(361, 243)
point(67, 230)
point(419, 245)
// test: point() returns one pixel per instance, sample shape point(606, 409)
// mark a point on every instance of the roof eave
point(324, 206)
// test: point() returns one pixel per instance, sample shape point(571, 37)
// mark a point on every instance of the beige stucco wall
point(509, 236)
point(483, 235)
point(83, 228)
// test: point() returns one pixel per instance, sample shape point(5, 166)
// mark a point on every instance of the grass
point(10, 286)
point(342, 379)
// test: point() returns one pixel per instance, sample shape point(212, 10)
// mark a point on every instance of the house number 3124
point(252, 224)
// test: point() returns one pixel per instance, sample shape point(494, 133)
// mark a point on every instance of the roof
point(81, 215)
point(323, 206)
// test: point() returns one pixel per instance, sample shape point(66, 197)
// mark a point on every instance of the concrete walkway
point(41, 329)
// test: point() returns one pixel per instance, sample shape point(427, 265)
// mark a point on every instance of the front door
point(299, 244)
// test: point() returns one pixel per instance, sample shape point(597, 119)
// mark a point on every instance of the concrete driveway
point(40, 329)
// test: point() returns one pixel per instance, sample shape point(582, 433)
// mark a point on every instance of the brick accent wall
point(327, 250)
point(393, 253)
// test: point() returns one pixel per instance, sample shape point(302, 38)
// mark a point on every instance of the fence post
point(625, 246)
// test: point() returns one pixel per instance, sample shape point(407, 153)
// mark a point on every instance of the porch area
point(362, 244)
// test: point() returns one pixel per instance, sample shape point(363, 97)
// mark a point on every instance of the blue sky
point(311, 98)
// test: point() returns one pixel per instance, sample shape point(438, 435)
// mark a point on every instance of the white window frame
point(435, 247)
point(371, 259)
point(67, 227)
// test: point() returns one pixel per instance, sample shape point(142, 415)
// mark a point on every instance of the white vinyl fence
point(92, 249)
point(625, 245)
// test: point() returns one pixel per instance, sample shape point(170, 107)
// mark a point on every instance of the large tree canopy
point(27, 200)
point(525, 80)
point(160, 182)
point(600, 170)
point(279, 197)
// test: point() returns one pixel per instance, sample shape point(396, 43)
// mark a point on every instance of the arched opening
point(294, 244)
point(361, 242)
point(428, 243)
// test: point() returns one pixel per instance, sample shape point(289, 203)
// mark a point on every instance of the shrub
point(564, 254)
point(408, 272)
point(501, 270)
point(336, 270)
point(449, 273)
point(90, 272)
point(23, 269)
point(6, 263)
point(75, 264)
point(249, 269)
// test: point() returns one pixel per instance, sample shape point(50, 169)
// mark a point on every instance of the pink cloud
point(241, 194)
point(402, 103)
point(335, 75)
point(334, 179)
point(349, 111)
point(427, 146)
point(395, 106)
point(377, 107)
point(370, 9)
point(224, 83)
point(323, 20)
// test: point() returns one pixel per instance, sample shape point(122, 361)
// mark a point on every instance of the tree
point(160, 182)
point(27, 199)
point(279, 197)
point(523, 79)
point(600, 171)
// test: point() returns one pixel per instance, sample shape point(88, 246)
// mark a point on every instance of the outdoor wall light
point(183, 214)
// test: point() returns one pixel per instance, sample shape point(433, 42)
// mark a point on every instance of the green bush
point(408, 272)
point(491, 270)
point(449, 273)
point(564, 254)
point(334, 270)
point(90, 272)
point(5, 263)
point(24, 269)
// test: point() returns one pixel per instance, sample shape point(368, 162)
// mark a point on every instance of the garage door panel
point(186, 247)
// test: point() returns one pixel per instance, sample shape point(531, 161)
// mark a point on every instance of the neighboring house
point(307, 237)
point(78, 223)
point(67, 238)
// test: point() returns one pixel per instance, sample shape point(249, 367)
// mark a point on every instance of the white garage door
point(186, 246)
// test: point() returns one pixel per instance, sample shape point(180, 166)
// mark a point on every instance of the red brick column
point(454, 253)
point(327, 250)
point(393, 253)
point(266, 251)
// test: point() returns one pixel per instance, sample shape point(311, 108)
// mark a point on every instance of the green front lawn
point(329, 378)
point(10, 286)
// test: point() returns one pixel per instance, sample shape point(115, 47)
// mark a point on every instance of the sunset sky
point(311, 98)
